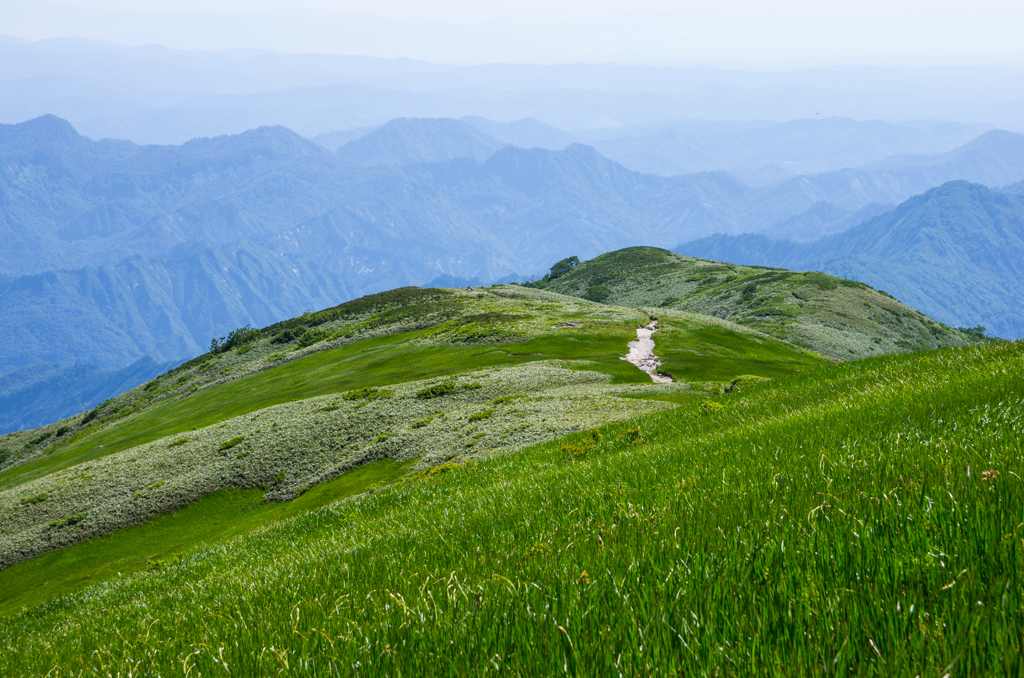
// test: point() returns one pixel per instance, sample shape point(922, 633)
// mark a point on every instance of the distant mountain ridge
point(407, 140)
point(228, 214)
point(956, 252)
point(788, 148)
point(41, 394)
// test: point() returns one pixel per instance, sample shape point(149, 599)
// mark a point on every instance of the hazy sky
point(749, 32)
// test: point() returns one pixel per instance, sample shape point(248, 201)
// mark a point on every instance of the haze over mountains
point(157, 95)
point(412, 173)
point(150, 250)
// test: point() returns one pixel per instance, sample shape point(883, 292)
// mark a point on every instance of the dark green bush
point(43, 437)
point(228, 444)
point(34, 499)
point(369, 393)
point(485, 414)
point(312, 337)
point(562, 267)
point(289, 335)
point(62, 430)
point(976, 333)
point(420, 423)
point(438, 390)
point(598, 293)
point(821, 281)
point(239, 337)
point(73, 519)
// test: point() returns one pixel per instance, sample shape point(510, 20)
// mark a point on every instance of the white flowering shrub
point(287, 448)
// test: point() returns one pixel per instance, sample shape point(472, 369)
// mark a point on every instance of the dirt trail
point(641, 353)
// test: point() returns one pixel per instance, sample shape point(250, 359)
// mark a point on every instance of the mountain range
point(955, 252)
point(152, 94)
point(154, 250)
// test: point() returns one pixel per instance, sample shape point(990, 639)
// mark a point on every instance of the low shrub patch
point(288, 335)
point(313, 337)
point(369, 393)
point(438, 390)
point(73, 519)
point(711, 406)
point(36, 441)
point(228, 444)
point(598, 293)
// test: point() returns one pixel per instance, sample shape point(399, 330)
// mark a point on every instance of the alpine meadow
point(511, 339)
point(454, 481)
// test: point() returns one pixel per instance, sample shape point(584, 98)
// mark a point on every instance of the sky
point(716, 32)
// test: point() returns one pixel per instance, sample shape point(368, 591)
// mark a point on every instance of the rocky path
point(641, 353)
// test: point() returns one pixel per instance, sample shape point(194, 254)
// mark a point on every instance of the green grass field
point(216, 517)
point(858, 519)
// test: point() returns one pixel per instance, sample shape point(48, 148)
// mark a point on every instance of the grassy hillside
point(860, 519)
point(954, 252)
point(422, 463)
point(839, 318)
point(434, 376)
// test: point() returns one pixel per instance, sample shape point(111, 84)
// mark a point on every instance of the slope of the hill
point(836, 317)
point(431, 375)
point(36, 396)
point(407, 140)
point(862, 519)
point(955, 252)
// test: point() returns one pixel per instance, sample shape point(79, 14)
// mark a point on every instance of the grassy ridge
point(696, 351)
point(839, 318)
point(862, 519)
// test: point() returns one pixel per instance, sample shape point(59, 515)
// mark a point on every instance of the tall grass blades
point(863, 519)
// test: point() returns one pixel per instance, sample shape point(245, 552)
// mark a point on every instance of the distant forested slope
point(34, 396)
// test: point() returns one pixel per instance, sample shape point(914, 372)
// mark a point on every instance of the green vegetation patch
point(228, 444)
point(67, 521)
point(368, 393)
point(824, 522)
point(173, 536)
point(438, 390)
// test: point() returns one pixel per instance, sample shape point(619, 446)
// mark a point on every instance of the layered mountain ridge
point(225, 215)
point(954, 252)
